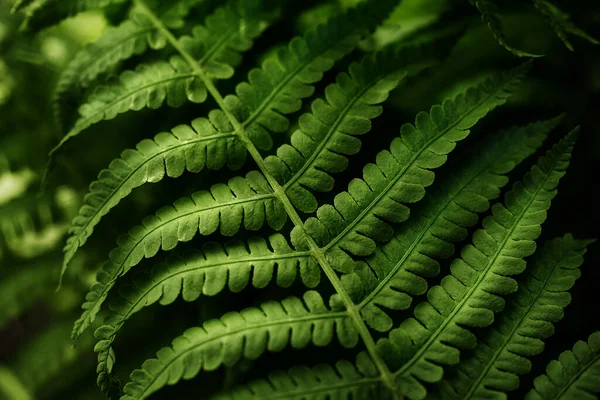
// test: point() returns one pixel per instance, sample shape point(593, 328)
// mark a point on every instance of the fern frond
point(312, 59)
point(205, 143)
point(502, 352)
point(490, 16)
point(562, 24)
point(51, 12)
point(23, 288)
point(247, 334)
point(278, 87)
point(248, 201)
point(359, 218)
point(323, 382)
point(575, 375)
point(329, 134)
point(393, 274)
point(216, 48)
point(207, 274)
point(471, 294)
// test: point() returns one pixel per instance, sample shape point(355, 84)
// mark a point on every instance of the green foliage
point(306, 220)
point(573, 375)
point(560, 21)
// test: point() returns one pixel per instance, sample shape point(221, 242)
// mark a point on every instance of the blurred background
point(37, 358)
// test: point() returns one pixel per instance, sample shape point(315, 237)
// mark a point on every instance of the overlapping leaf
point(472, 293)
point(132, 37)
point(330, 133)
point(503, 351)
point(397, 271)
point(360, 217)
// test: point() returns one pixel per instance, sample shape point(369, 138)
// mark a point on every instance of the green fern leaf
point(247, 334)
point(562, 24)
point(490, 16)
point(51, 12)
point(277, 88)
point(575, 375)
point(323, 382)
point(359, 217)
point(227, 33)
point(205, 143)
point(248, 201)
point(502, 352)
point(207, 273)
point(215, 48)
point(440, 221)
point(329, 133)
point(471, 294)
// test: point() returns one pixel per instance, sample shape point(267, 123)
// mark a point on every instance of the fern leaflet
point(562, 24)
point(575, 375)
point(132, 37)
